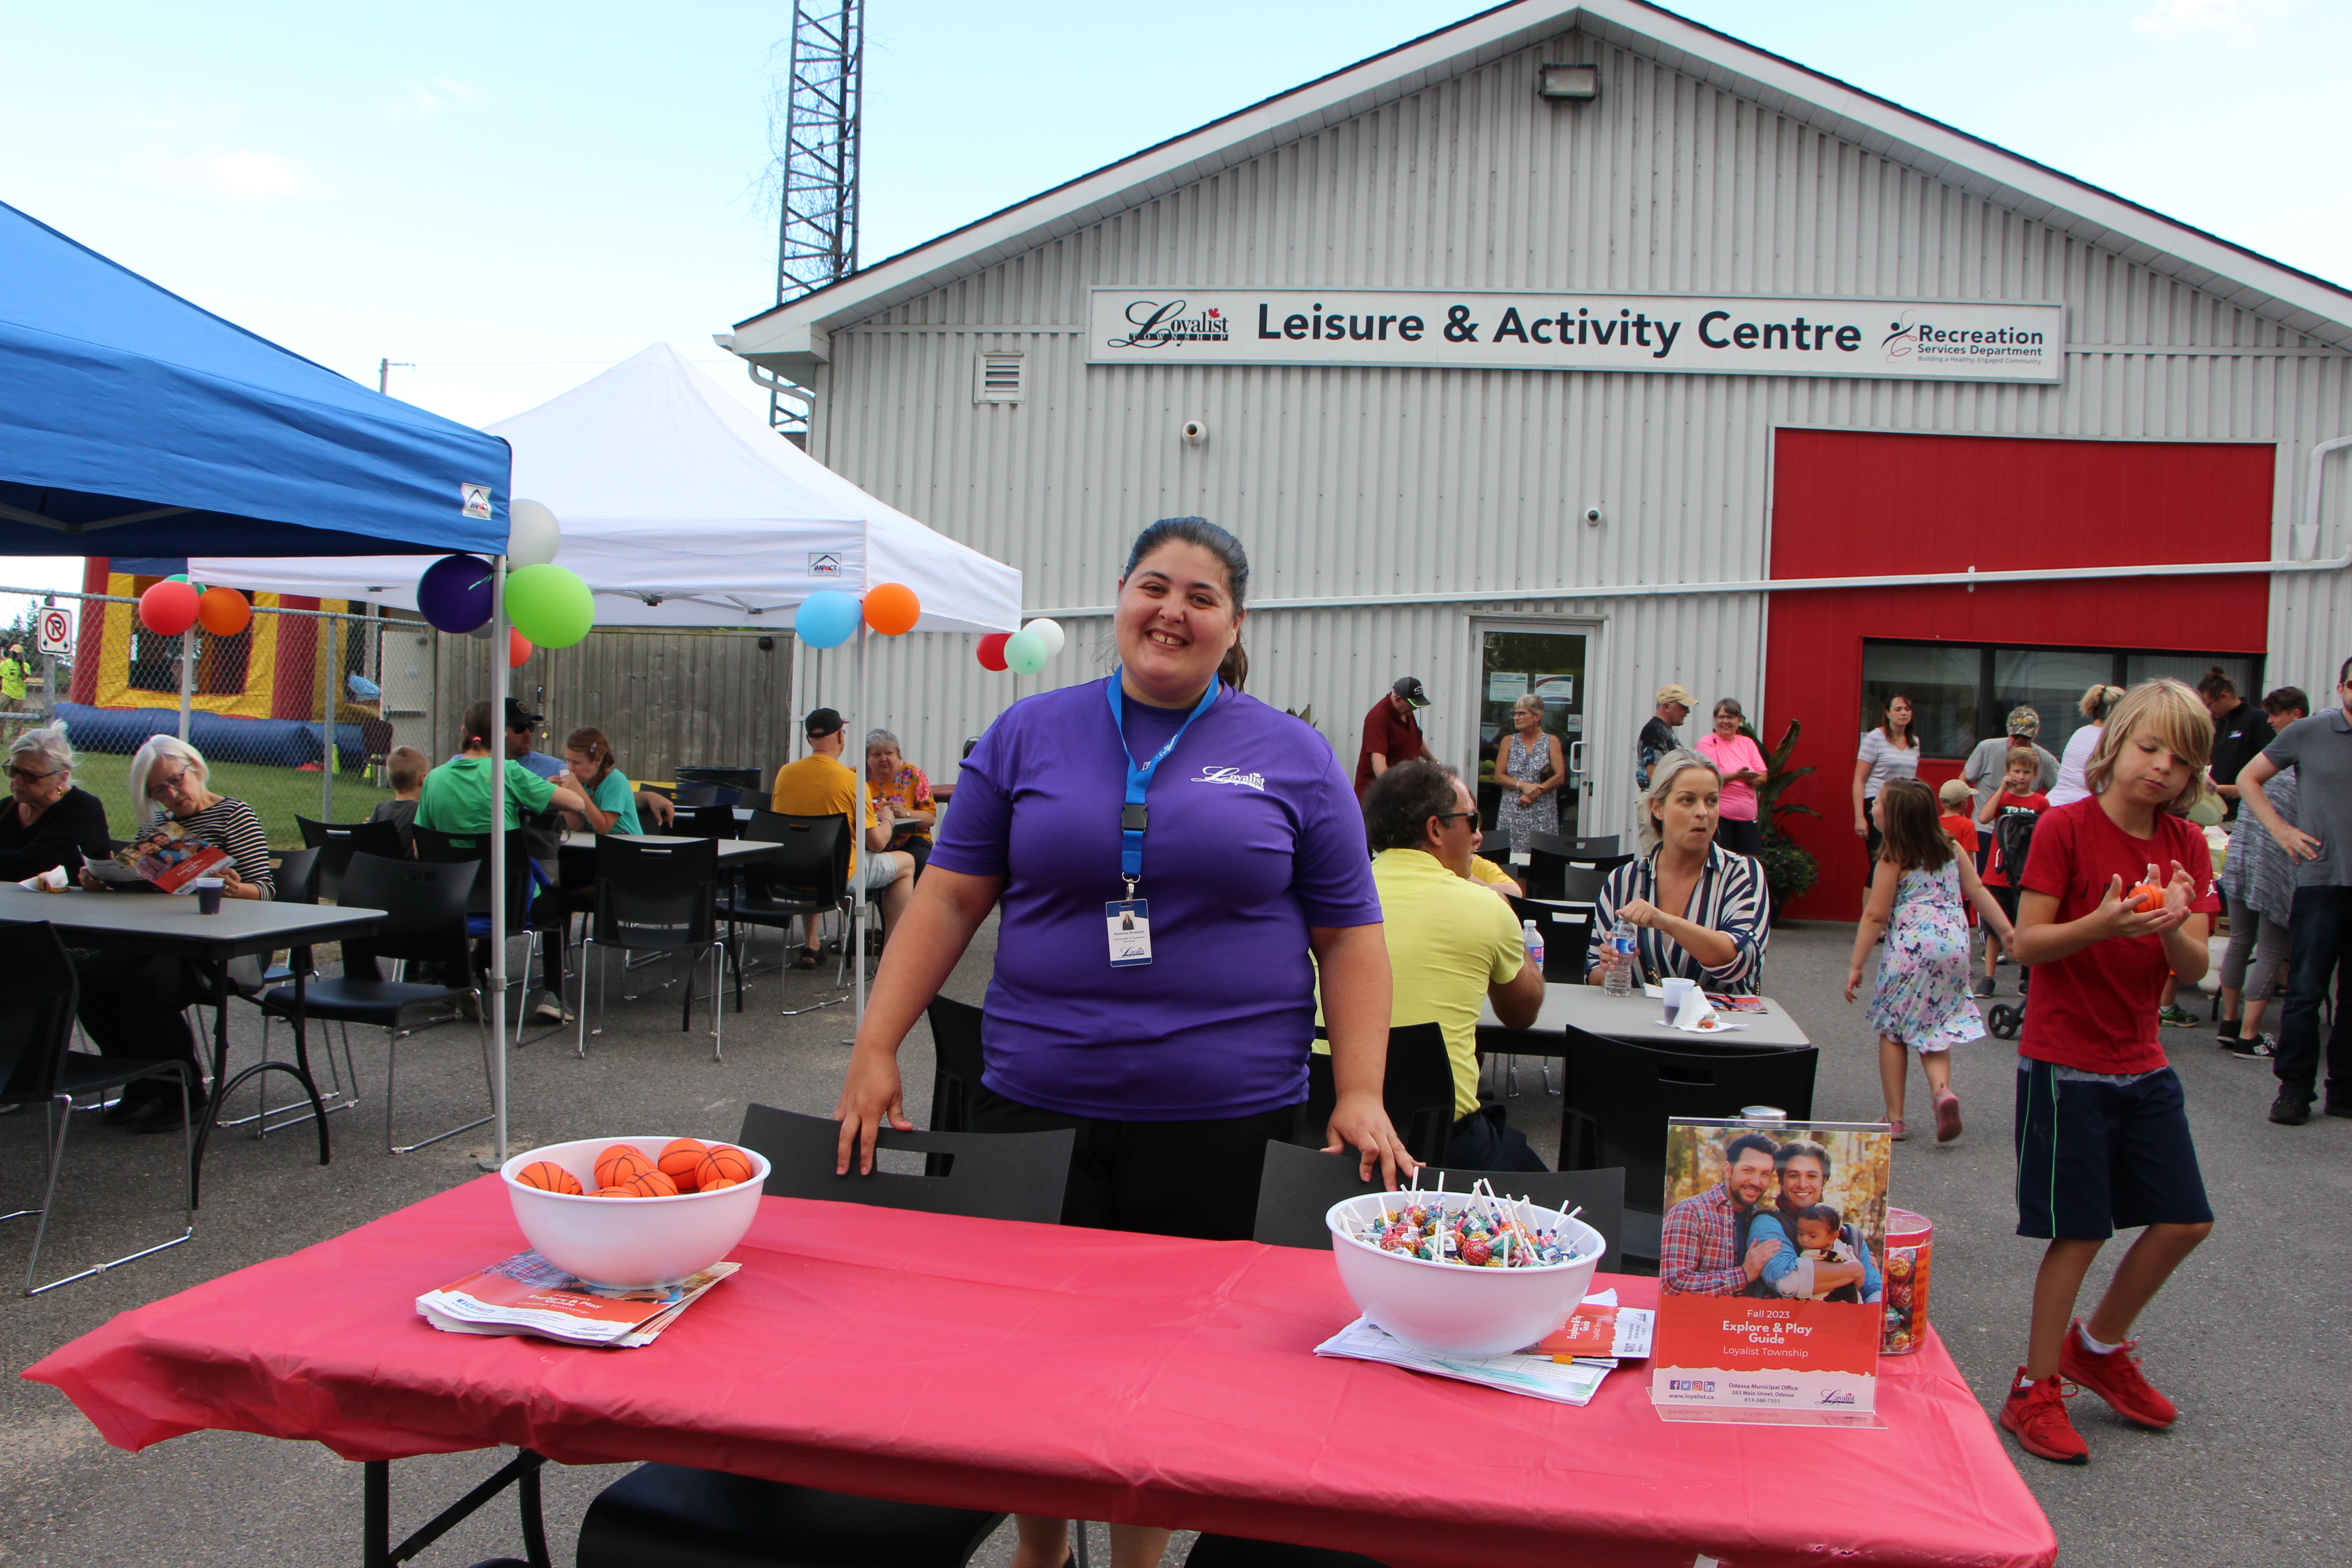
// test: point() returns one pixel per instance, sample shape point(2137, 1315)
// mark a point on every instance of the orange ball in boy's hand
point(652, 1184)
point(549, 1176)
point(723, 1166)
point(620, 1161)
point(616, 1192)
point(679, 1157)
point(2145, 900)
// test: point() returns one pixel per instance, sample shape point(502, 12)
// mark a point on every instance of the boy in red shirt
point(2102, 1129)
point(2015, 794)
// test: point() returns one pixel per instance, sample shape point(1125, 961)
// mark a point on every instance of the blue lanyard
point(1131, 815)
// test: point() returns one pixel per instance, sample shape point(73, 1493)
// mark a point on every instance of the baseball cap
point(1955, 792)
point(1408, 688)
point(517, 718)
point(1670, 693)
point(2025, 720)
point(821, 723)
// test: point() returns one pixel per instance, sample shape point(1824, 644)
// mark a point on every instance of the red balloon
point(991, 650)
point(168, 608)
point(518, 648)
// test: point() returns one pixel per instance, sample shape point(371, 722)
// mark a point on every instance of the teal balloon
point(550, 606)
point(1025, 652)
point(828, 618)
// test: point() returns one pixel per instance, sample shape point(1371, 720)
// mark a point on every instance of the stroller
point(2012, 836)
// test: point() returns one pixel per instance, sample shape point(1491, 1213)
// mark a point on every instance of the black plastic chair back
point(692, 795)
point(1002, 1175)
point(424, 905)
point(434, 848)
point(1602, 848)
point(957, 1061)
point(657, 896)
point(709, 820)
point(736, 777)
point(814, 866)
point(298, 876)
point(1602, 867)
point(339, 841)
point(38, 1018)
point(1418, 1092)
point(1580, 884)
point(1620, 1097)
point(1545, 874)
point(1300, 1185)
point(1567, 934)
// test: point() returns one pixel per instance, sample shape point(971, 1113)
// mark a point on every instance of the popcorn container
point(1910, 1251)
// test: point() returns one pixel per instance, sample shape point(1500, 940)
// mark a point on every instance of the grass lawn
point(277, 796)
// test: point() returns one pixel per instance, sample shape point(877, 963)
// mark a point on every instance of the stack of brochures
point(528, 1295)
point(1566, 1366)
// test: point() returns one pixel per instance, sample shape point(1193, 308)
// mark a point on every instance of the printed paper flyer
point(1770, 1272)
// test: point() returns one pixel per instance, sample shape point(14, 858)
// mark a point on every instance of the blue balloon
point(828, 618)
point(455, 593)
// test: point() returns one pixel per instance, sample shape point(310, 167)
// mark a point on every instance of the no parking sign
point(57, 633)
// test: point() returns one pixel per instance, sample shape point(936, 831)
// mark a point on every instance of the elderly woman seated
point(901, 796)
point(1697, 909)
point(132, 1003)
point(50, 821)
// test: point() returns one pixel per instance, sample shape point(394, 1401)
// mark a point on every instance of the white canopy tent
point(680, 507)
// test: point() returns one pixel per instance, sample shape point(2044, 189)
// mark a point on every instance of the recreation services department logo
point(1909, 338)
point(1155, 324)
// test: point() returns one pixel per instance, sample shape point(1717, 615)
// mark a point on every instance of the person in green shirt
point(12, 676)
point(613, 801)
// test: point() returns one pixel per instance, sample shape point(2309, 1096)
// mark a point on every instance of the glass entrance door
point(1516, 662)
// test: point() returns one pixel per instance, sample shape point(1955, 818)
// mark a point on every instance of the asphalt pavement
point(2244, 1338)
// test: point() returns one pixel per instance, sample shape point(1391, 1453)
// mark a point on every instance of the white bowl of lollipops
point(1445, 1307)
point(673, 1211)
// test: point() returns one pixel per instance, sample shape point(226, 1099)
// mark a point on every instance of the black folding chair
point(425, 920)
point(524, 883)
point(1300, 1187)
point(956, 1063)
point(298, 875)
point(684, 795)
point(38, 1066)
point(808, 878)
point(1620, 1095)
point(1418, 1093)
point(657, 897)
point(337, 842)
point(669, 1515)
point(711, 819)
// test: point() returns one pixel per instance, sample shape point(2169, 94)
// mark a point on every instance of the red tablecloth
point(1051, 1371)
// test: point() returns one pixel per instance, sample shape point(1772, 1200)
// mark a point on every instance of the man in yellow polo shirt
point(820, 785)
point(1451, 944)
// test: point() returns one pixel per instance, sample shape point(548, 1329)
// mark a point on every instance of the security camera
point(767, 645)
point(1195, 432)
point(1593, 516)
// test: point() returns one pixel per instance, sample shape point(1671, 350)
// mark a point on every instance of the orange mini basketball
point(616, 1193)
point(548, 1176)
point(618, 1164)
point(723, 1166)
point(651, 1184)
point(679, 1158)
point(2145, 900)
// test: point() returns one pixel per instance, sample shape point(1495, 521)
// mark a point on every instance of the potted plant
point(1790, 868)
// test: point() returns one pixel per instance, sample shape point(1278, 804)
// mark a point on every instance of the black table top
point(162, 922)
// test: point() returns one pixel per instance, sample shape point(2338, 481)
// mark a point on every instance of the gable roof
point(792, 335)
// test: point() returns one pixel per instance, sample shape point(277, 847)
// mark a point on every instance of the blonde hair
point(159, 747)
point(1528, 702)
point(1663, 774)
point(2100, 700)
point(2179, 720)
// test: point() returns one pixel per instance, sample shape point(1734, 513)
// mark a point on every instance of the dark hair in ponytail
point(1200, 531)
point(2217, 683)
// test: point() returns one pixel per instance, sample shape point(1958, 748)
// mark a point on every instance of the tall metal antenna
point(816, 159)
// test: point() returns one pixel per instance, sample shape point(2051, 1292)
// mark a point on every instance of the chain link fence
point(295, 715)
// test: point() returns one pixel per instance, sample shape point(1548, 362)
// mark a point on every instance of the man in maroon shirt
point(1391, 733)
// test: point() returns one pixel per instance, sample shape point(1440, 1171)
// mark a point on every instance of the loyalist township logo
point(1155, 324)
point(1838, 1396)
point(1232, 777)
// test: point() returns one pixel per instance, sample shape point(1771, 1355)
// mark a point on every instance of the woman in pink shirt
point(1742, 765)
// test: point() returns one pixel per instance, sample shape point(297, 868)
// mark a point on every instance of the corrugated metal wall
point(1345, 482)
point(664, 697)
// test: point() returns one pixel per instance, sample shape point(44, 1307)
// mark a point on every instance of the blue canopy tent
point(133, 423)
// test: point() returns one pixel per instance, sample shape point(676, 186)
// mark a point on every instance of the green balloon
point(550, 606)
point(1025, 652)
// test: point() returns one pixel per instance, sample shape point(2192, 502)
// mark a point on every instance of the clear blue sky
point(514, 195)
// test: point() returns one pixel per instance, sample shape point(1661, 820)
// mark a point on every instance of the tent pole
point(864, 850)
point(495, 998)
point(187, 679)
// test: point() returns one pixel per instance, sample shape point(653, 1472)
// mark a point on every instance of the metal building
point(1580, 349)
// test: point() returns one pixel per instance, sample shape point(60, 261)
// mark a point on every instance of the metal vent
point(998, 379)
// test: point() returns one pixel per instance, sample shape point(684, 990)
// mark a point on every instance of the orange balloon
point(891, 608)
point(545, 1175)
point(518, 648)
point(679, 1157)
point(224, 611)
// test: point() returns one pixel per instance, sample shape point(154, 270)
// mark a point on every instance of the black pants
point(131, 1006)
point(1483, 1141)
point(2319, 937)
point(1871, 840)
point(1740, 838)
point(1160, 1178)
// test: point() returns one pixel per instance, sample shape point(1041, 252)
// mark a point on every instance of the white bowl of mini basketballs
point(638, 1211)
point(1461, 1274)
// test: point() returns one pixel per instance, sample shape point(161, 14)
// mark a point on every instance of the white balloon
point(1049, 630)
point(534, 536)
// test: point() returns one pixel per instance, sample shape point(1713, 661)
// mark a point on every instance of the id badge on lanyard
point(1128, 920)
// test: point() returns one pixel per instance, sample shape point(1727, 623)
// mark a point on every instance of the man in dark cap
point(1391, 733)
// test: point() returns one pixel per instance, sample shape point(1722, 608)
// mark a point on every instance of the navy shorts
point(2095, 1156)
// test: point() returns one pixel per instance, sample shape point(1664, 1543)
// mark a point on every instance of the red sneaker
point(2115, 1378)
point(2036, 1416)
point(1948, 1117)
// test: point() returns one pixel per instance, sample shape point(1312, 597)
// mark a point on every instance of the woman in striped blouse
point(132, 1003)
point(1698, 910)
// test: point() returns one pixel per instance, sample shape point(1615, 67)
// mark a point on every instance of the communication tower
point(816, 167)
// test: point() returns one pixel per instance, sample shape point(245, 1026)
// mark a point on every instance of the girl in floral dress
point(1922, 1003)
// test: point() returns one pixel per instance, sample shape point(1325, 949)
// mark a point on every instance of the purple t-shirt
point(1254, 835)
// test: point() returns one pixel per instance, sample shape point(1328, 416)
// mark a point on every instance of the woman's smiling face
point(1175, 620)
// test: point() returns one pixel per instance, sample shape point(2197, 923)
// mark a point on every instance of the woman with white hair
point(1530, 768)
point(132, 1003)
point(1698, 910)
point(50, 821)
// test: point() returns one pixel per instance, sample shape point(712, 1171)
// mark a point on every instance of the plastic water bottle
point(1533, 937)
point(1618, 981)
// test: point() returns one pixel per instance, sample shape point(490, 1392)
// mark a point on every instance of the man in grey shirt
point(1989, 761)
point(2320, 930)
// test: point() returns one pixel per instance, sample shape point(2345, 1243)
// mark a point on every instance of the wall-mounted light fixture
point(1568, 81)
